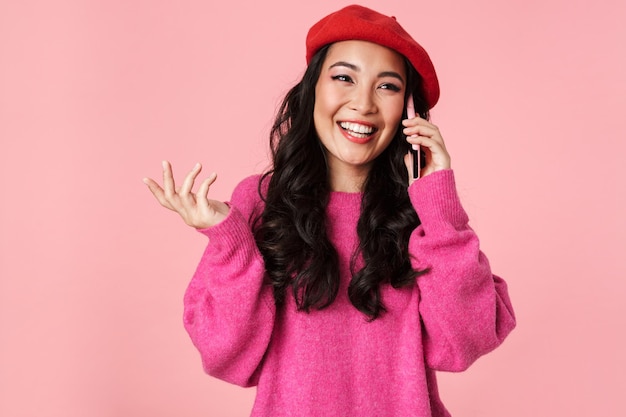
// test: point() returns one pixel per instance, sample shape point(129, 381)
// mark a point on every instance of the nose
point(363, 101)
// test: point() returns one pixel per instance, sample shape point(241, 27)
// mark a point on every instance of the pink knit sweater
point(333, 362)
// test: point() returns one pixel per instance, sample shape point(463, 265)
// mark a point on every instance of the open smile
point(357, 132)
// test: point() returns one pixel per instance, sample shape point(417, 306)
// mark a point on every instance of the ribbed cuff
point(231, 239)
point(436, 200)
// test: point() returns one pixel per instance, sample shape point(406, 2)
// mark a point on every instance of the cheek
point(397, 112)
point(323, 109)
point(394, 120)
point(318, 116)
point(393, 125)
point(389, 138)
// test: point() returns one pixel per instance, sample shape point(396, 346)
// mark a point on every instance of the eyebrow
point(357, 69)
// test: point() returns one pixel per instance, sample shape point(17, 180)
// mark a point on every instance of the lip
point(354, 139)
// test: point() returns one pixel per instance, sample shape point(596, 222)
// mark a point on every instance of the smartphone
point(415, 149)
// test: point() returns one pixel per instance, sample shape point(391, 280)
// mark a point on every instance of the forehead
point(365, 55)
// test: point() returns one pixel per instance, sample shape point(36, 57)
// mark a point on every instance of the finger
point(185, 189)
point(168, 180)
point(426, 142)
point(202, 197)
point(437, 156)
point(203, 191)
point(418, 121)
point(421, 130)
point(157, 192)
point(153, 186)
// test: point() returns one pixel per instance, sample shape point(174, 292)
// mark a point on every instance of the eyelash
point(392, 87)
point(342, 77)
point(347, 78)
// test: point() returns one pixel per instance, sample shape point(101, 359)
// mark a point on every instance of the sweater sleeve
point(465, 309)
point(228, 311)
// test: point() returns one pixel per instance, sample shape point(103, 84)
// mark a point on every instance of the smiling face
point(359, 100)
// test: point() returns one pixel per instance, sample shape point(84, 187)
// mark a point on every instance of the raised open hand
point(195, 209)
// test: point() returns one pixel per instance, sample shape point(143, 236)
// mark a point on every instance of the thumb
point(408, 163)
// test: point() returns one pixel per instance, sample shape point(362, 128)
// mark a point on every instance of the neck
point(348, 181)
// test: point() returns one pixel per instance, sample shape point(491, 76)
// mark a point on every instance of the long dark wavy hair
point(291, 230)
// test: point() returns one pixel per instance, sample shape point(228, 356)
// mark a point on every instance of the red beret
point(360, 23)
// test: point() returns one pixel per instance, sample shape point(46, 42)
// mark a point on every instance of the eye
point(390, 86)
point(342, 77)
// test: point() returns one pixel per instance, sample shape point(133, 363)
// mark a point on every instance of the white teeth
point(357, 128)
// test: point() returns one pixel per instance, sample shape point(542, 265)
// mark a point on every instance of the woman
point(337, 283)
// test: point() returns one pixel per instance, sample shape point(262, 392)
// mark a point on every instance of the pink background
point(94, 94)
